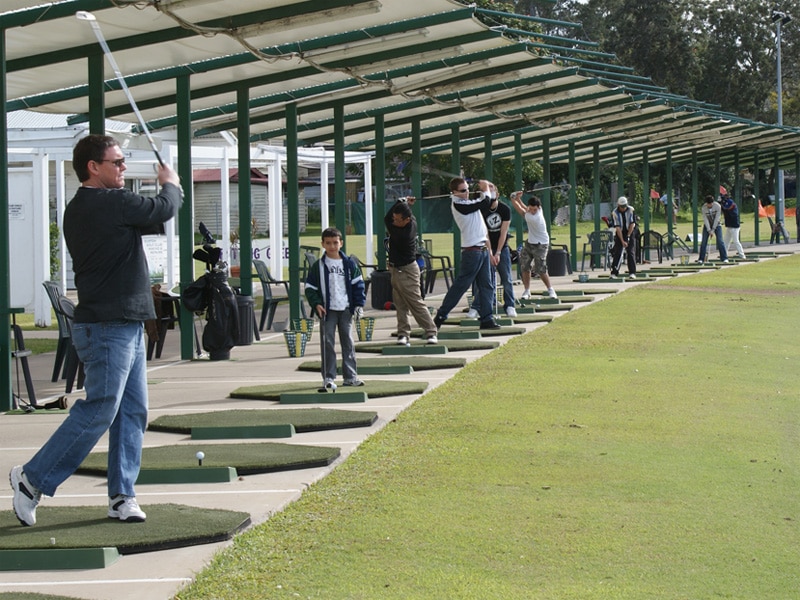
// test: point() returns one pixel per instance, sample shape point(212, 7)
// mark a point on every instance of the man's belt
point(480, 248)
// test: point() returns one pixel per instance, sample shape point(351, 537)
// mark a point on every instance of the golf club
point(325, 386)
point(564, 187)
point(83, 15)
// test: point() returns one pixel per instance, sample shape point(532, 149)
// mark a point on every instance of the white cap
point(622, 201)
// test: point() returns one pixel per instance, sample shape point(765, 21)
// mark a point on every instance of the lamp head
point(779, 15)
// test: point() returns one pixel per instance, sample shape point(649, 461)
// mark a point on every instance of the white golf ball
point(200, 455)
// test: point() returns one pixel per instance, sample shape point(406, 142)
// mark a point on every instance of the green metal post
point(516, 218)
point(695, 199)
point(488, 165)
point(620, 174)
point(670, 193)
point(757, 194)
point(339, 184)
point(596, 187)
point(186, 212)
point(293, 208)
point(5, 253)
point(547, 205)
point(97, 112)
point(646, 186)
point(379, 201)
point(455, 167)
point(416, 172)
point(245, 205)
point(573, 207)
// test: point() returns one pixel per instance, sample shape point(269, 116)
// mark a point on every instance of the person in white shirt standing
point(475, 264)
point(535, 248)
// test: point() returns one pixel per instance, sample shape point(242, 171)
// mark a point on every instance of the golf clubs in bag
point(212, 294)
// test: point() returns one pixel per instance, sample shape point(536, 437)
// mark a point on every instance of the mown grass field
point(644, 447)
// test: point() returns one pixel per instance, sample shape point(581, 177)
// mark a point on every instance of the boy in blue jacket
point(335, 290)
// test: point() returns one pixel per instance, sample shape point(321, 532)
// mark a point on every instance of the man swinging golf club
point(103, 228)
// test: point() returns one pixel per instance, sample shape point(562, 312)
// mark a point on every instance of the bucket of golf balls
point(304, 325)
point(296, 343)
point(364, 328)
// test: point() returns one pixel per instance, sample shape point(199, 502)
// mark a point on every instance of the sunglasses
point(117, 163)
point(462, 191)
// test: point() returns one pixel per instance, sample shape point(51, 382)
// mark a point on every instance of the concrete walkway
point(178, 386)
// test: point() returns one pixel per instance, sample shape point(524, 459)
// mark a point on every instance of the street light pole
point(780, 19)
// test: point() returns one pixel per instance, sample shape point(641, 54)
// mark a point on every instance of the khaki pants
point(408, 299)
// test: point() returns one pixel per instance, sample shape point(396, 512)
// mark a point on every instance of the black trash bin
point(557, 264)
point(246, 306)
point(381, 285)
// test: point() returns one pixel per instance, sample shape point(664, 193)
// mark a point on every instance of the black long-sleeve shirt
point(103, 229)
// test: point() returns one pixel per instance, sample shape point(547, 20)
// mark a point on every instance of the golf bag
point(212, 294)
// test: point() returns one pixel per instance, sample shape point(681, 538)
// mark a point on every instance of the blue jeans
point(503, 270)
point(113, 356)
point(341, 321)
point(723, 253)
point(475, 267)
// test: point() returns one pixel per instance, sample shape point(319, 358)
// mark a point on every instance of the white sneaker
point(726, 261)
point(402, 340)
point(433, 340)
point(511, 311)
point(552, 293)
point(632, 276)
point(472, 313)
point(526, 294)
point(26, 497)
point(125, 508)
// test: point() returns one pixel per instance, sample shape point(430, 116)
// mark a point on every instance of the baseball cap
point(622, 201)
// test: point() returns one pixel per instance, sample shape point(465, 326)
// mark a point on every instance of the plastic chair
point(271, 301)
point(167, 314)
point(365, 273)
point(54, 293)
point(670, 241)
point(433, 265)
point(73, 367)
point(598, 249)
point(650, 240)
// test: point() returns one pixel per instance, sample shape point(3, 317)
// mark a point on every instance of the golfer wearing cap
point(712, 213)
point(624, 238)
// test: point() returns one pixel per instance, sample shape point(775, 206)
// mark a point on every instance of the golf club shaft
point(565, 187)
point(110, 57)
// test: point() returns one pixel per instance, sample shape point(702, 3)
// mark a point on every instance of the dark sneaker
point(439, 320)
point(490, 324)
point(26, 497)
point(125, 508)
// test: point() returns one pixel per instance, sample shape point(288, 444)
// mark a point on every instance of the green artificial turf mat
point(304, 420)
point(373, 388)
point(167, 526)
point(452, 345)
point(247, 459)
point(38, 411)
point(418, 363)
point(504, 330)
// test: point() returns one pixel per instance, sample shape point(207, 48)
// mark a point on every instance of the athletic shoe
point(490, 324)
point(614, 273)
point(632, 276)
point(472, 313)
point(526, 294)
point(402, 340)
point(726, 261)
point(433, 340)
point(743, 257)
point(552, 293)
point(439, 320)
point(511, 312)
point(354, 383)
point(126, 509)
point(26, 497)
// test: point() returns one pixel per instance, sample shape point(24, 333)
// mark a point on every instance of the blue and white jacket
point(316, 287)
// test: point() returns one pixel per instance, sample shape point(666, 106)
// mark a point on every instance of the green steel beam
point(186, 212)
point(532, 19)
point(6, 392)
point(379, 178)
point(245, 198)
point(339, 170)
point(293, 209)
